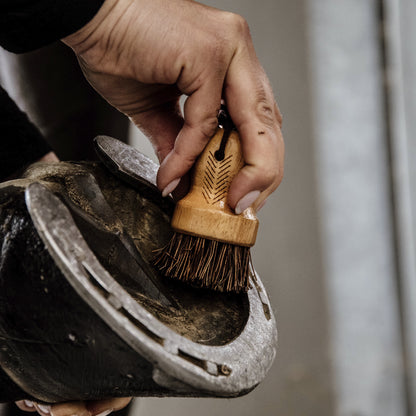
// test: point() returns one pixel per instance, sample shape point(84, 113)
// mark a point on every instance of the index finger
point(200, 122)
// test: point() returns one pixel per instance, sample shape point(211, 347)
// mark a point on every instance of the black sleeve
point(26, 25)
point(21, 143)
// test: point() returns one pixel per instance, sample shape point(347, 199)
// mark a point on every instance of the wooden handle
point(204, 211)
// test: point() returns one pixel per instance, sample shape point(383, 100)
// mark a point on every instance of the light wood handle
point(204, 211)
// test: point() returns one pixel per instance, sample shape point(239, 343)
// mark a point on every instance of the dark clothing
point(59, 100)
point(20, 141)
point(26, 25)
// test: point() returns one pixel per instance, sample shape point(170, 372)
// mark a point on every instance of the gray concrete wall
point(351, 148)
point(400, 34)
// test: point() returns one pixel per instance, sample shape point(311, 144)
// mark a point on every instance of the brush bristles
point(206, 263)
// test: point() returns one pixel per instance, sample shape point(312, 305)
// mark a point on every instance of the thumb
point(200, 122)
point(161, 126)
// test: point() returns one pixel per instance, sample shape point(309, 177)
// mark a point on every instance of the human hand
point(143, 55)
point(89, 408)
point(49, 157)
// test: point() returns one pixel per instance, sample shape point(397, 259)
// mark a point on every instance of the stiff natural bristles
point(206, 263)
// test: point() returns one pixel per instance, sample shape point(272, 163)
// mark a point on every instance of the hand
point(49, 157)
point(90, 408)
point(143, 55)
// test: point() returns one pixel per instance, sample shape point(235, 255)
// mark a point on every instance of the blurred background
point(336, 242)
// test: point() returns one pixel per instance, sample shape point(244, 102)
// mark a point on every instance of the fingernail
point(44, 408)
point(171, 187)
point(28, 403)
point(261, 205)
point(105, 413)
point(246, 201)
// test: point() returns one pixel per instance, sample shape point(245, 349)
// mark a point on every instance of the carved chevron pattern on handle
point(216, 178)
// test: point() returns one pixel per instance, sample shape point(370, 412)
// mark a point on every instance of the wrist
point(83, 39)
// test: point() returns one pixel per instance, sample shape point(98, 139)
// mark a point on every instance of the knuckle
point(185, 159)
point(265, 112)
point(218, 46)
point(238, 24)
point(208, 127)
